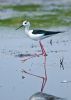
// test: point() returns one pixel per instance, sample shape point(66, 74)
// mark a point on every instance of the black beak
point(19, 27)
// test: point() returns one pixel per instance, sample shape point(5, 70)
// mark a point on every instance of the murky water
point(12, 84)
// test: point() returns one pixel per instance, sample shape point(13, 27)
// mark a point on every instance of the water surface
point(12, 85)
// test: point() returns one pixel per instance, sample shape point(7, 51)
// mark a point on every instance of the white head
point(26, 24)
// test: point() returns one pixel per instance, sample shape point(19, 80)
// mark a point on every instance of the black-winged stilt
point(38, 35)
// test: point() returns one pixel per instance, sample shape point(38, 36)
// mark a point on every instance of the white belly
point(35, 36)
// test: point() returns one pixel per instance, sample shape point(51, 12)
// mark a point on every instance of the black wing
point(46, 32)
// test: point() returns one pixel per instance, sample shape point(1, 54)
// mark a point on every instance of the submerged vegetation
point(39, 15)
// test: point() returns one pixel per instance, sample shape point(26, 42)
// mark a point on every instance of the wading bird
point(38, 35)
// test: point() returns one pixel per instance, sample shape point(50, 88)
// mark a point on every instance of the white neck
point(26, 29)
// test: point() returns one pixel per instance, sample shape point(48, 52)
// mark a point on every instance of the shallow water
point(12, 84)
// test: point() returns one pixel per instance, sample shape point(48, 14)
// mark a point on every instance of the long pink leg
point(45, 77)
point(36, 55)
point(45, 72)
point(32, 74)
point(31, 56)
point(41, 77)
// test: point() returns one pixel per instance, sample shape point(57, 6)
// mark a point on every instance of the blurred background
point(49, 12)
point(31, 1)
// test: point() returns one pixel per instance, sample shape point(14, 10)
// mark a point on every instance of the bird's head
point(25, 24)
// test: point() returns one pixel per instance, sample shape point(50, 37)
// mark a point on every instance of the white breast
point(35, 36)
